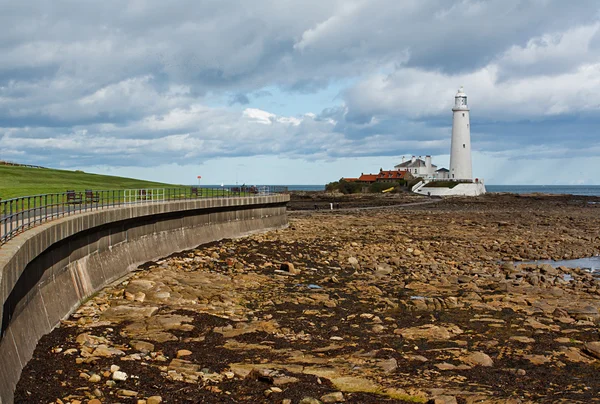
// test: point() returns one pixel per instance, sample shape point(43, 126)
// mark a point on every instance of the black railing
point(20, 214)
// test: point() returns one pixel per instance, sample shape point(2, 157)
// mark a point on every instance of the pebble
point(119, 376)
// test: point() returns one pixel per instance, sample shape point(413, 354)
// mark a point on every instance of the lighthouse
point(460, 153)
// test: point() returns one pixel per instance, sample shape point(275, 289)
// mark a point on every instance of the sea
point(588, 190)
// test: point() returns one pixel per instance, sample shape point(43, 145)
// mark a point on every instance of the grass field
point(22, 181)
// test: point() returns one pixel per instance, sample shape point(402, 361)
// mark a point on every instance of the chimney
point(403, 159)
point(413, 159)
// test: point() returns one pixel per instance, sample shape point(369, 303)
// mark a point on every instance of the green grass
point(23, 181)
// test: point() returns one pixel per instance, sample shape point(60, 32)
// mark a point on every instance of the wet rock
point(523, 339)
point(464, 279)
point(142, 346)
point(183, 352)
point(309, 400)
point(353, 263)
point(337, 397)
point(430, 332)
point(126, 312)
point(593, 349)
point(537, 359)
point(443, 400)
point(478, 359)
point(388, 365)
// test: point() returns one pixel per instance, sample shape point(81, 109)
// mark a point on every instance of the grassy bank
point(21, 181)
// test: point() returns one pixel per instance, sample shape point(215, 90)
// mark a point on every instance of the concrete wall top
point(18, 252)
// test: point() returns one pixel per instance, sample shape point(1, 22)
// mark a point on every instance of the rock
point(94, 401)
point(289, 267)
point(592, 349)
point(353, 263)
point(106, 352)
point(537, 359)
point(464, 279)
point(388, 365)
point(560, 313)
point(336, 397)
point(309, 400)
point(127, 393)
point(183, 352)
point(119, 376)
point(429, 332)
point(418, 358)
point(125, 312)
point(142, 346)
point(523, 339)
point(478, 359)
point(94, 378)
point(574, 355)
point(445, 366)
point(444, 400)
point(154, 400)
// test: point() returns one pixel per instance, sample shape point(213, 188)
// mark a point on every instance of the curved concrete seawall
point(46, 272)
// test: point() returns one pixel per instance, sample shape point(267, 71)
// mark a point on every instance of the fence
point(20, 214)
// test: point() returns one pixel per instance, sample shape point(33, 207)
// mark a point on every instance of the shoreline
point(373, 306)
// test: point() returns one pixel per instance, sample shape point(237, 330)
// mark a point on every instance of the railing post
point(10, 217)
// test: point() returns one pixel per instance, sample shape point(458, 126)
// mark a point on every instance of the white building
point(422, 168)
point(460, 151)
point(460, 158)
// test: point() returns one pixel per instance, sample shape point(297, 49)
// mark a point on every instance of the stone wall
point(46, 272)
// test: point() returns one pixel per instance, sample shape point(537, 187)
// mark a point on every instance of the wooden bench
point(91, 196)
point(73, 197)
point(194, 191)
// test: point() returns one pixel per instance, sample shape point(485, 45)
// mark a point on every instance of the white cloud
point(87, 83)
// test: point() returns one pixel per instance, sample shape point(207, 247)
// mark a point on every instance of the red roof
point(394, 174)
point(368, 178)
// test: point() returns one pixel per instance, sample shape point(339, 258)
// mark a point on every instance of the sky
point(300, 91)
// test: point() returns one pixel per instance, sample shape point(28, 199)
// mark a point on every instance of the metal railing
point(22, 213)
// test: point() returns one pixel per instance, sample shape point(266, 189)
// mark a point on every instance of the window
point(464, 147)
point(463, 114)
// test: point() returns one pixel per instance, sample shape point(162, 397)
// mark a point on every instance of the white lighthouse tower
point(460, 153)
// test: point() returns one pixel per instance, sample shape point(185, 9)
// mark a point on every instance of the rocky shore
point(393, 305)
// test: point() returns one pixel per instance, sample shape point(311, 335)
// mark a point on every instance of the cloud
point(130, 85)
point(241, 99)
